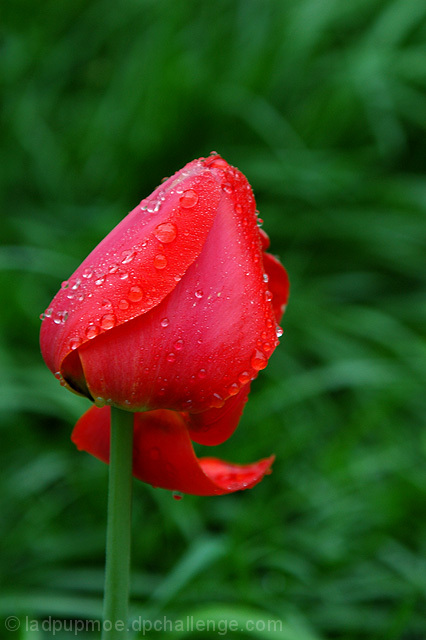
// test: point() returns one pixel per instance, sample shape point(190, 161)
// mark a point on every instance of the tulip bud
point(173, 313)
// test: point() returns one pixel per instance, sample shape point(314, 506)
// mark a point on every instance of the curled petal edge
point(163, 455)
point(278, 283)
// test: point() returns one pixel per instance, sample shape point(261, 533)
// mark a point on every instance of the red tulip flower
point(171, 316)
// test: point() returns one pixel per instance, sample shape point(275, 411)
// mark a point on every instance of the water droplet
point(202, 373)
point(92, 331)
point(268, 296)
point(154, 207)
point(265, 277)
point(48, 312)
point(123, 304)
point(258, 360)
point(171, 357)
point(244, 377)
point(127, 256)
point(279, 332)
point(178, 345)
point(99, 280)
point(188, 199)
point(113, 268)
point(216, 163)
point(135, 294)
point(74, 344)
point(165, 322)
point(87, 273)
point(60, 317)
point(107, 304)
point(233, 389)
point(188, 404)
point(108, 321)
point(177, 278)
point(76, 284)
point(238, 208)
point(177, 495)
point(199, 293)
point(65, 284)
point(269, 323)
point(217, 401)
point(160, 261)
point(100, 402)
point(259, 222)
point(124, 275)
point(41, 316)
point(166, 232)
point(227, 187)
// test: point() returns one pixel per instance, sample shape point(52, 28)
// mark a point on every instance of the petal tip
point(230, 477)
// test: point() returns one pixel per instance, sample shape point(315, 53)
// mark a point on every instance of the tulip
point(171, 317)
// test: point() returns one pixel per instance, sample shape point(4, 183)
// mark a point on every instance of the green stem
point(117, 569)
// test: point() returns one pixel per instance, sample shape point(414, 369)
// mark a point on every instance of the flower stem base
point(117, 568)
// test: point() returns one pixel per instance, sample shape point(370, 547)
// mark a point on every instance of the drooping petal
point(92, 432)
point(215, 426)
point(135, 266)
point(163, 455)
point(234, 477)
point(210, 336)
point(278, 283)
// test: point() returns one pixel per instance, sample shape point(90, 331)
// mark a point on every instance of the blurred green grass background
point(322, 104)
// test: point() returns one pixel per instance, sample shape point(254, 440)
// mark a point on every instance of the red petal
point(214, 426)
point(234, 477)
point(163, 455)
point(135, 266)
point(92, 433)
point(209, 336)
point(266, 243)
point(278, 283)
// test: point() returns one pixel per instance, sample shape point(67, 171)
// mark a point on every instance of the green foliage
point(322, 104)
